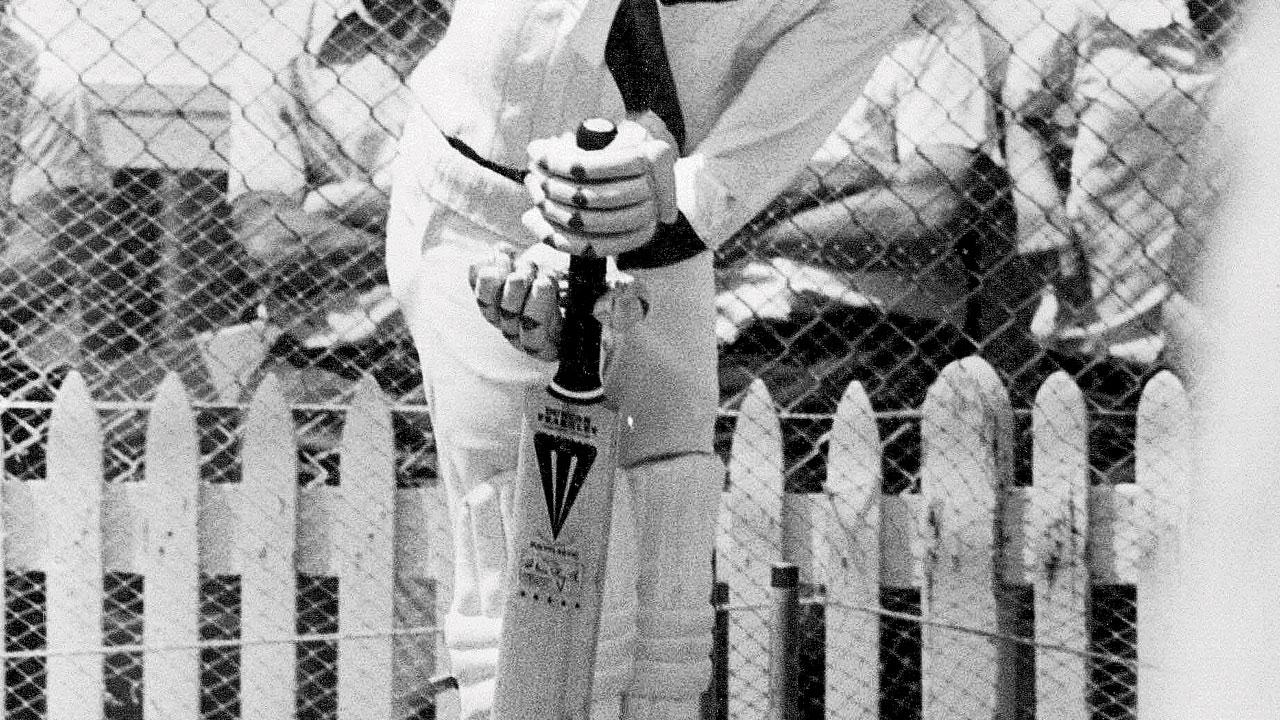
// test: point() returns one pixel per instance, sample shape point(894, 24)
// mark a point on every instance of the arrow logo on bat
point(563, 465)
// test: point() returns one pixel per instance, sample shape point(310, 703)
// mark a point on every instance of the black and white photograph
point(639, 359)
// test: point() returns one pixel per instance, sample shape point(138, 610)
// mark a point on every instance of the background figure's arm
point(1037, 87)
point(1038, 199)
point(356, 201)
point(904, 222)
point(793, 99)
point(273, 227)
point(817, 183)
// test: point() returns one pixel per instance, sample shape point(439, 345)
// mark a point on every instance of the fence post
point(171, 607)
point(1056, 529)
point(966, 437)
point(850, 530)
point(717, 705)
point(268, 580)
point(1163, 465)
point(365, 564)
point(71, 507)
point(784, 639)
point(748, 545)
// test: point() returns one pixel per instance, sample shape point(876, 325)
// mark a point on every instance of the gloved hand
point(520, 293)
point(610, 200)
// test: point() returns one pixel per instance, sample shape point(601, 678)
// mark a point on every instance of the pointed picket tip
point(855, 435)
point(366, 551)
point(1055, 523)
point(269, 484)
point(850, 529)
point(74, 418)
point(268, 446)
point(171, 431)
point(73, 678)
point(966, 430)
point(853, 488)
point(367, 443)
point(757, 435)
point(749, 542)
point(172, 564)
point(966, 383)
point(1164, 404)
point(1164, 468)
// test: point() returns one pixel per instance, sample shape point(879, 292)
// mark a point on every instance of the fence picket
point(365, 554)
point(379, 540)
point(268, 581)
point(748, 544)
point(171, 607)
point(1056, 527)
point(966, 428)
point(851, 526)
point(421, 559)
point(71, 510)
point(1163, 473)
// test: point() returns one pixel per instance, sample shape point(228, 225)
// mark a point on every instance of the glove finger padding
point(610, 200)
point(522, 297)
point(540, 319)
point(488, 278)
point(515, 294)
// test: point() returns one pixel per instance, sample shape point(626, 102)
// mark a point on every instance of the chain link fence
point(198, 186)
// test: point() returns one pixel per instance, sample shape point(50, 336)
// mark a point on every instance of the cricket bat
point(564, 501)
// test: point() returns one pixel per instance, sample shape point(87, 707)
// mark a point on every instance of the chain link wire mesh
point(187, 190)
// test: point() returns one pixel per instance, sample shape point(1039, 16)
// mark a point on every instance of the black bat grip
point(577, 379)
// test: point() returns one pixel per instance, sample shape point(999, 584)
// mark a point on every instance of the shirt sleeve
point(1042, 64)
point(59, 147)
point(264, 151)
point(790, 102)
point(863, 132)
point(944, 98)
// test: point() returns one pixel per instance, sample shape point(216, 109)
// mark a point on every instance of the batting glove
point(610, 200)
point(521, 294)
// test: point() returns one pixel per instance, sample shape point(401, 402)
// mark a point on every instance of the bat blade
point(564, 505)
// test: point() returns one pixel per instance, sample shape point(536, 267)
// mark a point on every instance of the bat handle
point(577, 379)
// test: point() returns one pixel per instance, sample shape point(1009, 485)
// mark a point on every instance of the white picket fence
point(382, 543)
point(965, 535)
point(968, 534)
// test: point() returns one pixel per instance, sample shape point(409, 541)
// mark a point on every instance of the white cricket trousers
point(448, 213)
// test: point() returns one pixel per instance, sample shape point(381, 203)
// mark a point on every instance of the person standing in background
point(308, 182)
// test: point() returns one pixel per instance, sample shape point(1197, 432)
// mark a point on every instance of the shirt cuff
point(707, 204)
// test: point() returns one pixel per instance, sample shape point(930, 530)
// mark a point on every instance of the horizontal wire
point(923, 620)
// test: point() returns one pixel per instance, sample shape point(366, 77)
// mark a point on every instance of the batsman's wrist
point(671, 243)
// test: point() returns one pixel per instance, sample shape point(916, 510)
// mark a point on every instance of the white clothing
point(934, 88)
point(316, 124)
point(50, 140)
point(761, 82)
point(1132, 81)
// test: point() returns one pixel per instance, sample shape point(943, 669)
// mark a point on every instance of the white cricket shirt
point(761, 84)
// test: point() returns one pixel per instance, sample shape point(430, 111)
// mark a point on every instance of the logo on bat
point(563, 465)
point(551, 569)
